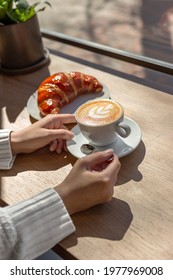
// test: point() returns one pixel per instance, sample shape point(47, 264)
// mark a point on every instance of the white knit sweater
point(31, 227)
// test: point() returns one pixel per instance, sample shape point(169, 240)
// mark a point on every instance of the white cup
point(101, 120)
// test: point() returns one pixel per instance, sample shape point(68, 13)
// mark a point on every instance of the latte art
point(99, 112)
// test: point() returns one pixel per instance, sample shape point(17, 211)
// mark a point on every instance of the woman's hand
point(90, 181)
point(49, 130)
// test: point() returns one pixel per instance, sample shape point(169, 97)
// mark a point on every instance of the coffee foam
point(99, 112)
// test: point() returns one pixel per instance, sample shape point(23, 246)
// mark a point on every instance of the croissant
point(61, 88)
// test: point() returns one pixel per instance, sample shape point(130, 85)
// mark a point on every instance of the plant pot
point(21, 45)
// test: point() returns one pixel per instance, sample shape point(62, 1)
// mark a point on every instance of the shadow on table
point(40, 160)
point(29, 84)
point(112, 219)
point(130, 165)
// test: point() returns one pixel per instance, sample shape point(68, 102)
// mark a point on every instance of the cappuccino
point(99, 112)
point(100, 121)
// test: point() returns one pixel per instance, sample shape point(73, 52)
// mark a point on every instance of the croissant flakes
point(61, 88)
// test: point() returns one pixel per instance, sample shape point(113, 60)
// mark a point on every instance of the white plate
point(121, 147)
point(70, 108)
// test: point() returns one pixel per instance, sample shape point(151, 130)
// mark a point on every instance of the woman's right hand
point(49, 130)
point(90, 182)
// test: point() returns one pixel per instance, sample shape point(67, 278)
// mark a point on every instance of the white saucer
point(121, 147)
point(70, 108)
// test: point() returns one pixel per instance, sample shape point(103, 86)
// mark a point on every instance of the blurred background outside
point(143, 27)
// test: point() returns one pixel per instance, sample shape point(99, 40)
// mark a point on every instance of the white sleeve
point(30, 228)
point(6, 157)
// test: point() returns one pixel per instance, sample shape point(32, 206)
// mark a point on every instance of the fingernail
point(71, 134)
point(51, 149)
point(109, 151)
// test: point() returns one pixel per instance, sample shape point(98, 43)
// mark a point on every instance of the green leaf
point(5, 5)
point(19, 10)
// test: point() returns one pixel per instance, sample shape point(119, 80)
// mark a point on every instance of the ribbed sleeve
point(6, 157)
point(32, 227)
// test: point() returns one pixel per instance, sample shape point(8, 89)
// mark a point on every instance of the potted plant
point(21, 46)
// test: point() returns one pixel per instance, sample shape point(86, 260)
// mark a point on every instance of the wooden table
point(138, 222)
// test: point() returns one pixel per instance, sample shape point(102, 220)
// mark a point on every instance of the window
point(140, 27)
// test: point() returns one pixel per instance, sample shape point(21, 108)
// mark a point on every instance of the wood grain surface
point(138, 222)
